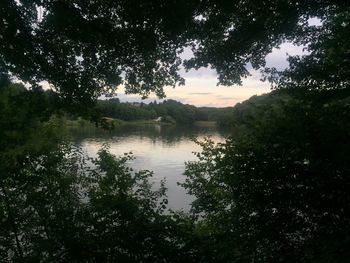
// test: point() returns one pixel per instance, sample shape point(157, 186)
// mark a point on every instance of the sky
point(201, 85)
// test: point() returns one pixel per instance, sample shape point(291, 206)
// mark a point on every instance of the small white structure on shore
point(159, 119)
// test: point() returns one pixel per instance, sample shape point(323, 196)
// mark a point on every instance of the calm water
point(161, 149)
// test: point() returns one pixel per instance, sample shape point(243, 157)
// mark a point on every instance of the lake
point(163, 149)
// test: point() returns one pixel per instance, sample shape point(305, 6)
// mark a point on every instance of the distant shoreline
point(110, 123)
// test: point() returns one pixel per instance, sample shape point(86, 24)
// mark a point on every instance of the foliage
point(171, 110)
point(85, 48)
point(74, 212)
point(255, 110)
point(22, 113)
point(181, 113)
point(278, 190)
point(125, 111)
point(56, 205)
point(326, 64)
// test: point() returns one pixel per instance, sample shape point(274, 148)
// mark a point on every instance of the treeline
point(169, 110)
point(259, 110)
point(256, 108)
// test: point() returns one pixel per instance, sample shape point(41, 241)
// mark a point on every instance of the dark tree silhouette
point(84, 48)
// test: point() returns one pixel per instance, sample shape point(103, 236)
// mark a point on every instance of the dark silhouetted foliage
point(278, 190)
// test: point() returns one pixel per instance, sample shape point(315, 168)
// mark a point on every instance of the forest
point(277, 190)
point(169, 110)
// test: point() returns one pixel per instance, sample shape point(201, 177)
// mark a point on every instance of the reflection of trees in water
point(168, 134)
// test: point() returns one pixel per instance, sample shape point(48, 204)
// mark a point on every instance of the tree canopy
point(85, 48)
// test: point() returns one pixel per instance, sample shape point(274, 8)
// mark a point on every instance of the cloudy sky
point(201, 88)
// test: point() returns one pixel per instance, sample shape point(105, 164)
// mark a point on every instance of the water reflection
point(162, 149)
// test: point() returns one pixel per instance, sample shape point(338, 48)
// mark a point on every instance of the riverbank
point(110, 123)
point(205, 124)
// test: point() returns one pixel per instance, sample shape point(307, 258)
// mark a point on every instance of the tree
point(85, 48)
point(58, 205)
point(82, 48)
point(278, 190)
point(326, 64)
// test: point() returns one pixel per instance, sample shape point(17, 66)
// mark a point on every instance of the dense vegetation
point(276, 191)
point(169, 110)
point(55, 207)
